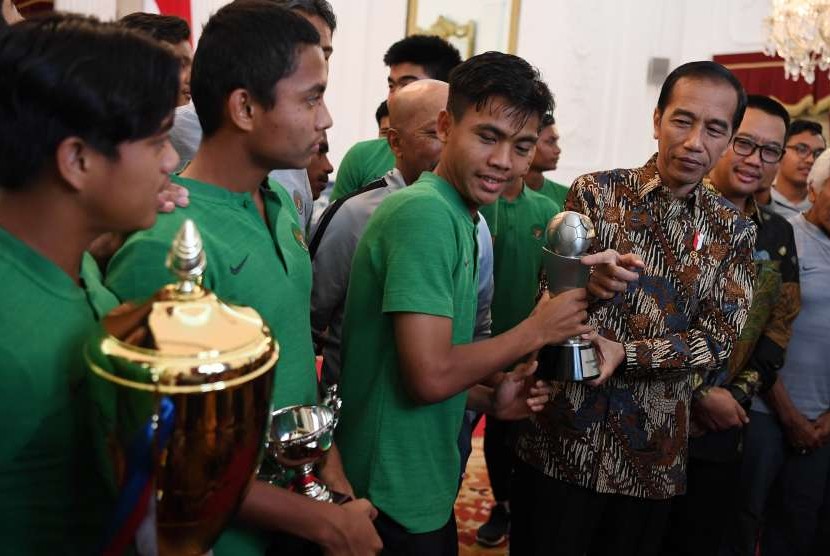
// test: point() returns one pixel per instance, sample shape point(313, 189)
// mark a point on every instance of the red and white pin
point(697, 241)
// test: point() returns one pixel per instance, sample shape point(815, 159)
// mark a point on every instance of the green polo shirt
point(555, 192)
point(52, 501)
point(364, 162)
point(266, 267)
point(418, 254)
point(249, 263)
point(518, 229)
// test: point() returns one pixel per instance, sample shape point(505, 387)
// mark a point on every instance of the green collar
point(39, 269)
point(449, 193)
point(212, 191)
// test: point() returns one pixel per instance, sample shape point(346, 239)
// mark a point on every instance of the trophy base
point(569, 362)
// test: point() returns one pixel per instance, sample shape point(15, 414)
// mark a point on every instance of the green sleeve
point(419, 254)
point(551, 209)
point(137, 270)
point(560, 194)
point(348, 175)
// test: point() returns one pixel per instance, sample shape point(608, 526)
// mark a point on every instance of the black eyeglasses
point(803, 151)
point(746, 147)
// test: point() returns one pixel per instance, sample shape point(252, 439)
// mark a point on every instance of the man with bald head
point(413, 114)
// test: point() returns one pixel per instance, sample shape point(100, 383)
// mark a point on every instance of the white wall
point(102, 9)
point(593, 53)
point(357, 76)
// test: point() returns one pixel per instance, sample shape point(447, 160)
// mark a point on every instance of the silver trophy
point(568, 236)
point(299, 436)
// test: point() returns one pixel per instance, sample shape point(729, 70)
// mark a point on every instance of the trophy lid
point(183, 339)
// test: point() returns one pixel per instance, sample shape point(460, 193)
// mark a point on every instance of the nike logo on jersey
point(236, 269)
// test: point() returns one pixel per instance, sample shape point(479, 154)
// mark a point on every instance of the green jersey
point(251, 263)
point(418, 254)
point(555, 192)
point(518, 229)
point(52, 499)
point(364, 162)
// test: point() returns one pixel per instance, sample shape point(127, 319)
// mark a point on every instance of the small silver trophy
point(299, 436)
point(568, 236)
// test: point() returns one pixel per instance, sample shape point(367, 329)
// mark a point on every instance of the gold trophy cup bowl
point(181, 382)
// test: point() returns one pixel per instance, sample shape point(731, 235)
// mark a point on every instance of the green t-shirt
point(555, 192)
point(266, 267)
point(249, 263)
point(418, 254)
point(518, 230)
point(52, 498)
point(364, 162)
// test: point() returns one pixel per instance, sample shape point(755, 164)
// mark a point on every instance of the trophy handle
point(332, 400)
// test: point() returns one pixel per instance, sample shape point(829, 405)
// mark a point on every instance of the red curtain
point(764, 75)
point(180, 8)
point(28, 8)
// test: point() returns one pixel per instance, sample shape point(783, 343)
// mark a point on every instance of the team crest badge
point(298, 202)
point(298, 235)
point(537, 231)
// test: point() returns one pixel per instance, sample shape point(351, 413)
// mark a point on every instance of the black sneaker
point(494, 532)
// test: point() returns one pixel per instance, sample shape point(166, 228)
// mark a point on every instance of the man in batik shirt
point(721, 400)
point(598, 467)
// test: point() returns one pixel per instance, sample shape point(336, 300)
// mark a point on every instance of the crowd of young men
point(420, 282)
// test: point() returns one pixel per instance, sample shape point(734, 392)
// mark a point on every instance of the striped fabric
point(682, 317)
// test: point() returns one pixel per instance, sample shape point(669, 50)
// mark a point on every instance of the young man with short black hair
point(319, 169)
point(83, 152)
point(408, 360)
point(258, 81)
point(545, 160)
point(805, 143)
point(409, 59)
point(382, 118)
point(186, 134)
point(172, 31)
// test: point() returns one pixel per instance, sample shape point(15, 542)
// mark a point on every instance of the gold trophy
point(182, 386)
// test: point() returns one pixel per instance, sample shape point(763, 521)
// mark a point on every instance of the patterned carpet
point(473, 505)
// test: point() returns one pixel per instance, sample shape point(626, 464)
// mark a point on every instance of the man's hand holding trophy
point(569, 270)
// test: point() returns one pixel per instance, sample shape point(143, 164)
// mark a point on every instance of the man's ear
point(75, 161)
point(393, 137)
point(657, 116)
point(241, 109)
point(444, 125)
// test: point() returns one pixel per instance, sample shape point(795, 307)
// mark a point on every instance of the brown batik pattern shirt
point(630, 435)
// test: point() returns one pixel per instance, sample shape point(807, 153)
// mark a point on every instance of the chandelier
point(799, 32)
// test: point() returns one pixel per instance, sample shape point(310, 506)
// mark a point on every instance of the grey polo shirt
point(782, 206)
point(333, 242)
point(806, 371)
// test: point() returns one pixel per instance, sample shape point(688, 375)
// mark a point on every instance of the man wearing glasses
point(721, 399)
point(788, 196)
